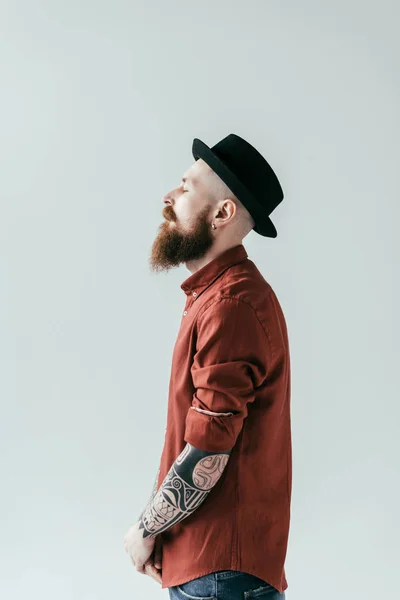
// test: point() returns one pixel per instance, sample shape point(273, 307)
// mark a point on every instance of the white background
point(99, 104)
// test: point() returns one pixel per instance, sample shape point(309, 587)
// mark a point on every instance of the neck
point(215, 250)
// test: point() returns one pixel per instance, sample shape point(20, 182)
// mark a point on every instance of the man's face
point(186, 233)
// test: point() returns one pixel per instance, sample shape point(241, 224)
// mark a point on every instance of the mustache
point(169, 214)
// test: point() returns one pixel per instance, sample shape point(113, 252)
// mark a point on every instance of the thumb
point(158, 552)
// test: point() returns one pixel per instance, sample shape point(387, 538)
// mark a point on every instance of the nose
point(166, 200)
point(167, 211)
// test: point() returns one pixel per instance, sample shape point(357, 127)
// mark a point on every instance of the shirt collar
point(198, 281)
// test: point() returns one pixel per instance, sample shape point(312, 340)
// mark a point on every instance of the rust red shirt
point(231, 355)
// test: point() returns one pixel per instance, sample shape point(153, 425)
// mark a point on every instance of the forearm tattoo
point(153, 493)
point(186, 485)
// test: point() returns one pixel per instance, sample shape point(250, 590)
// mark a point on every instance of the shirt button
point(194, 294)
point(185, 312)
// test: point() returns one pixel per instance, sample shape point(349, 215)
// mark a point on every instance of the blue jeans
point(225, 585)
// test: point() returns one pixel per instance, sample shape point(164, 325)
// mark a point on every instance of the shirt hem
point(180, 581)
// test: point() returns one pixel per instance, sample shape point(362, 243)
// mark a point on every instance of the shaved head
point(218, 192)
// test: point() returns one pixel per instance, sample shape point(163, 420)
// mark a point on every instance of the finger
point(139, 568)
point(153, 572)
point(158, 553)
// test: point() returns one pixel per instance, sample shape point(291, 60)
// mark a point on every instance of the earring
point(213, 226)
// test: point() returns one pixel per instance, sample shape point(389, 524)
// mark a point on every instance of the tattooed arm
point(186, 485)
point(153, 493)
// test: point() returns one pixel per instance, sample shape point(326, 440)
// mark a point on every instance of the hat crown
point(251, 168)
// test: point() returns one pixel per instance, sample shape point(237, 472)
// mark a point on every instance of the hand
point(153, 567)
point(139, 548)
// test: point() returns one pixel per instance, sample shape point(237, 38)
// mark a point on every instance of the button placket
point(185, 312)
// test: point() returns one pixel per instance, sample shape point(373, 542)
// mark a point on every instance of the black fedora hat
point(246, 172)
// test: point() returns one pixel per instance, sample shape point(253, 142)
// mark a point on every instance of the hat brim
point(264, 224)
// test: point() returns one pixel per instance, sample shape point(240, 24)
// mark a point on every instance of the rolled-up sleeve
point(230, 362)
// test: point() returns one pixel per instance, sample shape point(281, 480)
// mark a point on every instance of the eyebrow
point(185, 179)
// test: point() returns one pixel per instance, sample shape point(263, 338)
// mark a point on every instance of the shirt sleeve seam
point(229, 297)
